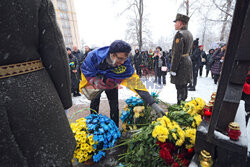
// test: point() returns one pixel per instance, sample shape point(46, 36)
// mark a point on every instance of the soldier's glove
point(158, 109)
point(173, 73)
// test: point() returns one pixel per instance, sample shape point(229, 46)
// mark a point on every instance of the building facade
point(66, 19)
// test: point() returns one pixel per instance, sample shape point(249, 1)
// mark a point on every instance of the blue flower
point(98, 156)
point(121, 165)
point(101, 131)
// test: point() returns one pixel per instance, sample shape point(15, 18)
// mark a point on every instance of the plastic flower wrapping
point(135, 109)
point(93, 134)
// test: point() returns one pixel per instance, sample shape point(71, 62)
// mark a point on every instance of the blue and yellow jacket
point(124, 74)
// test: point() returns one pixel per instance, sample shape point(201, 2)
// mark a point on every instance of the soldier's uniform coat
point(180, 64)
point(34, 129)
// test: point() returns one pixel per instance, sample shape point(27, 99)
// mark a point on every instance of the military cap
point(181, 17)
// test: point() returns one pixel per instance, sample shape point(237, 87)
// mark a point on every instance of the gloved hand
point(97, 82)
point(173, 73)
point(158, 109)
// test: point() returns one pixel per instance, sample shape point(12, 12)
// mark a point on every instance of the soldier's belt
point(184, 55)
point(20, 68)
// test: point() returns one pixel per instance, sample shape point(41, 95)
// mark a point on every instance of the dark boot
point(191, 89)
point(74, 93)
point(78, 93)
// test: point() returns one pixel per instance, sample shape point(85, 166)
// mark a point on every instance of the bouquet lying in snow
point(168, 141)
point(136, 112)
point(93, 134)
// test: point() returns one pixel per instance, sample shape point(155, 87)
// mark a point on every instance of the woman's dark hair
point(158, 47)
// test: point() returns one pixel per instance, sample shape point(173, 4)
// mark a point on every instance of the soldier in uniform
point(181, 64)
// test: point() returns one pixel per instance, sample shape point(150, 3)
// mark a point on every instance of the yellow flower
point(188, 146)
point(92, 142)
point(191, 134)
point(174, 136)
point(137, 115)
point(197, 119)
point(124, 126)
point(161, 133)
point(162, 138)
point(85, 154)
point(179, 142)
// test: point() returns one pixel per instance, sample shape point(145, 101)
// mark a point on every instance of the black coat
point(196, 58)
point(204, 56)
point(34, 129)
point(79, 56)
point(74, 65)
point(137, 60)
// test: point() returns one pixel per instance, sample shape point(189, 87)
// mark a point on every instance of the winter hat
point(181, 17)
point(119, 46)
point(196, 42)
point(68, 49)
point(200, 46)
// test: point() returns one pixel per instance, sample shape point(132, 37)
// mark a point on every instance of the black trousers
point(216, 78)
point(182, 93)
point(138, 70)
point(207, 72)
point(195, 75)
point(201, 69)
point(112, 95)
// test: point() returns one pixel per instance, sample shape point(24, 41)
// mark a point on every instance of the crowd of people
point(157, 63)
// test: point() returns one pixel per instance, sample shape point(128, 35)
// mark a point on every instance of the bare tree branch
point(128, 8)
point(217, 6)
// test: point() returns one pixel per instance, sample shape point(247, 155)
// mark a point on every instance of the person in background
point(86, 51)
point(157, 54)
point(216, 62)
point(203, 59)
point(169, 58)
point(74, 66)
point(181, 65)
point(161, 62)
point(208, 66)
point(150, 60)
point(34, 129)
point(164, 69)
point(246, 96)
point(108, 66)
point(131, 58)
point(144, 58)
point(138, 62)
point(196, 63)
point(80, 57)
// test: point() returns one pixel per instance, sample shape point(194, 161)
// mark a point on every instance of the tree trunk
point(187, 9)
point(140, 23)
point(222, 36)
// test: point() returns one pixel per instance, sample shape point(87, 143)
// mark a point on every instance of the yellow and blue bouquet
point(93, 134)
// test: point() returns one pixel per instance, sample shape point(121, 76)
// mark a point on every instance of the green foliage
point(142, 150)
point(181, 117)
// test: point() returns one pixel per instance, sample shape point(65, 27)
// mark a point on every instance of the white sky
point(99, 21)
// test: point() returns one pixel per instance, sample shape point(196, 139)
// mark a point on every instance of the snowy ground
point(205, 87)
